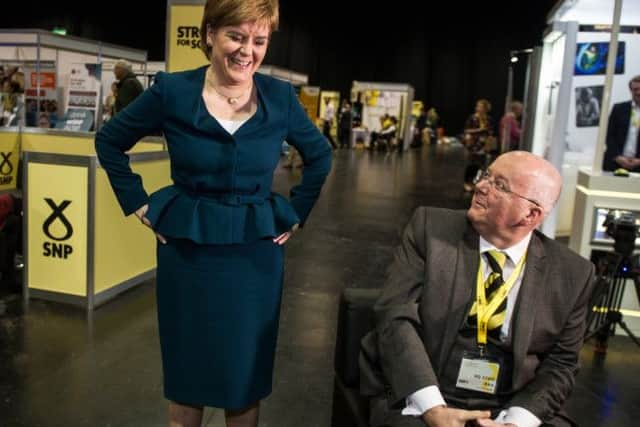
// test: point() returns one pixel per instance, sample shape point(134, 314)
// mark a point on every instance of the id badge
point(478, 372)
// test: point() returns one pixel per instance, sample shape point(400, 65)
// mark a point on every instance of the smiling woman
point(222, 231)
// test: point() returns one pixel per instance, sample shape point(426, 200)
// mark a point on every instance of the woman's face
point(237, 51)
point(481, 108)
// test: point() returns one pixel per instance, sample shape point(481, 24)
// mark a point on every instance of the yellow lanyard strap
point(484, 310)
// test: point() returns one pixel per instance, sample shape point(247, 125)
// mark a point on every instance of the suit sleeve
point(143, 116)
point(316, 154)
point(402, 356)
point(555, 377)
point(613, 146)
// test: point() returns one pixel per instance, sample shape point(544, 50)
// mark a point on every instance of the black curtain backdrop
point(452, 53)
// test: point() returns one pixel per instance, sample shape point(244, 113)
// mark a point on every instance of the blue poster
point(591, 59)
point(76, 119)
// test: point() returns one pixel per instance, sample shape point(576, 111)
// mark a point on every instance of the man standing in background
point(128, 85)
point(623, 133)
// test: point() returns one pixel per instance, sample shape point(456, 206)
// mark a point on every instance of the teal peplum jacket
point(221, 192)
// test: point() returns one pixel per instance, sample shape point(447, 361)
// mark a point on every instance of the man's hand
point(634, 162)
point(488, 422)
point(626, 162)
point(441, 416)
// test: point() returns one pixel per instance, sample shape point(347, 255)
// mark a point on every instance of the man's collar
point(515, 252)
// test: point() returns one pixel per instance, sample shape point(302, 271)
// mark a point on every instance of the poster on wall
point(83, 98)
point(41, 111)
point(588, 102)
point(591, 58)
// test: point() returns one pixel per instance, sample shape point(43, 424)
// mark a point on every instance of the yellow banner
point(9, 156)
point(57, 228)
point(183, 38)
point(309, 98)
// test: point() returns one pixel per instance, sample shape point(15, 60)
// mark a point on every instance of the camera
point(623, 227)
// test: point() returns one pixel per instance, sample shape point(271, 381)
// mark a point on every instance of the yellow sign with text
point(9, 156)
point(183, 44)
point(57, 228)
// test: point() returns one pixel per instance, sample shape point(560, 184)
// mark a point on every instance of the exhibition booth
point(64, 78)
point(78, 247)
point(583, 68)
point(371, 101)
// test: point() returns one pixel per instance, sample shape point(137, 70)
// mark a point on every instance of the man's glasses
point(500, 185)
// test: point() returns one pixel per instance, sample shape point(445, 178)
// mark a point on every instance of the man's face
point(498, 212)
point(635, 92)
point(118, 72)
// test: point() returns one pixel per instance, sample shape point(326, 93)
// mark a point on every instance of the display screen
point(591, 58)
point(599, 234)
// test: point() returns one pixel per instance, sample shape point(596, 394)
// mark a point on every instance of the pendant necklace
point(230, 99)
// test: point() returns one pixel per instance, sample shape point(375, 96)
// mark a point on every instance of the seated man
point(482, 317)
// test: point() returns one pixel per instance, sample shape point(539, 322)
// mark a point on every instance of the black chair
point(355, 319)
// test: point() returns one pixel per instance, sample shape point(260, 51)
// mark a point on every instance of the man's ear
point(534, 216)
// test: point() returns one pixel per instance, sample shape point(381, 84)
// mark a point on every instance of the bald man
point(482, 317)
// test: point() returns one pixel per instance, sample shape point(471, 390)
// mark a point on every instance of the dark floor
point(58, 369)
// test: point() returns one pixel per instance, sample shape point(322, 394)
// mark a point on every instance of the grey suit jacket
point(426, 298)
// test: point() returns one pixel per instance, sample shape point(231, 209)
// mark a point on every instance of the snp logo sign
point(61, 232)
point(6, 168)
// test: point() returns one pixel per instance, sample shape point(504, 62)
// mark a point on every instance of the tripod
point(613, 271)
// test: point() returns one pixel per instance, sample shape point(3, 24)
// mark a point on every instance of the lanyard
point(635, 120)
point(484, 310)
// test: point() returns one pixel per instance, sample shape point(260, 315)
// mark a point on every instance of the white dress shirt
point(426, 398)
point(632, 135)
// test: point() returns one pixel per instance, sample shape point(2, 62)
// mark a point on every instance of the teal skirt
point(218, 313)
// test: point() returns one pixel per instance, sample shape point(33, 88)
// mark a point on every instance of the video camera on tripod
point(624, 228)
point(613, 268)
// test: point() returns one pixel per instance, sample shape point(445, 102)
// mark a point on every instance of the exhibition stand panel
point(372, 100)
point(79, 247)
point(9, 157)
point(598, 193)
point(585, 64)
point(571, 70)
point(56, 141)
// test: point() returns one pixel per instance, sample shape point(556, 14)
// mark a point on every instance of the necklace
point(230, 99)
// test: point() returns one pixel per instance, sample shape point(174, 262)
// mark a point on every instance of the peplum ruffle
point(219, 220)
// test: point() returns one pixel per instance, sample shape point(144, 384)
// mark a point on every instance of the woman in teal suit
point(221, 229)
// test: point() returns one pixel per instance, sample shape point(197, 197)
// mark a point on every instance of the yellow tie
point(492, 283)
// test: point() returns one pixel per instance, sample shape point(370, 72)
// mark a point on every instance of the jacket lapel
point(531, 292)
point(466, 268)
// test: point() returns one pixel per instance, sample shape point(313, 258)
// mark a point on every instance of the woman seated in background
point(478, 139)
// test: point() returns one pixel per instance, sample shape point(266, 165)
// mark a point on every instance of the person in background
point(420, 126)
point(344, 124)
point(327, 121)
point(220, 228)
point(110, 102)
point(510, 130)
point(10, 236)
point(478, 132)
point(623, 133)
point(433, 120)
point(129, 87)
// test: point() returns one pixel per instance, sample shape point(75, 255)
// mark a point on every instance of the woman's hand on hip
point(282, 239)
point(141, 214)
